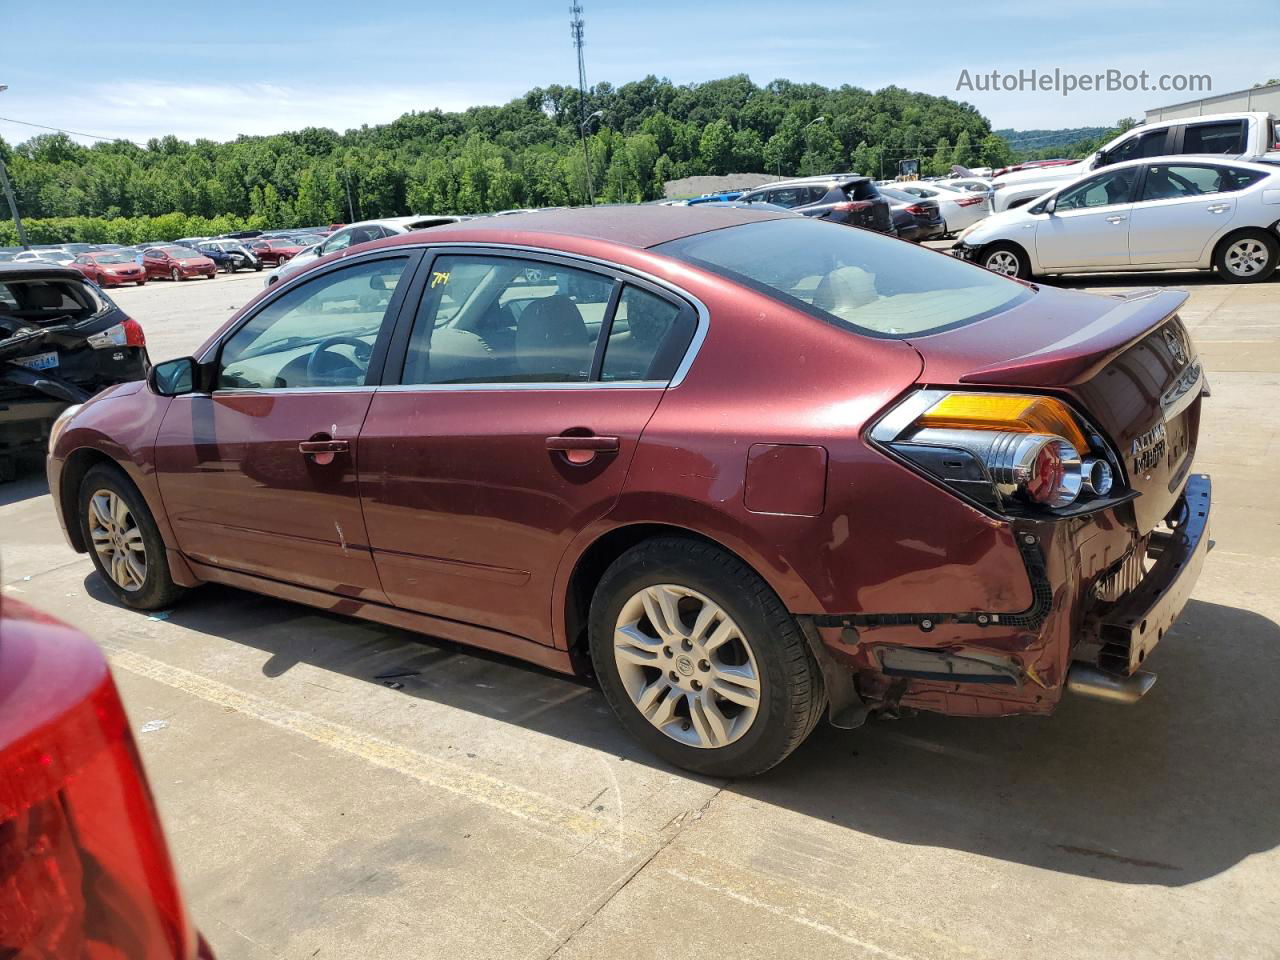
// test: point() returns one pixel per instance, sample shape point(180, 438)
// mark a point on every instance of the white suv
point(351, 235)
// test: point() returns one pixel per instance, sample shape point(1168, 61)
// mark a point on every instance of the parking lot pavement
point(340, 789)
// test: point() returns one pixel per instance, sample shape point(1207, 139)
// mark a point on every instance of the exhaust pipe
point(1088, 681)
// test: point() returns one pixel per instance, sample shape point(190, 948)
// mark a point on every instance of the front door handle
point(324, 446)
point(582, 450)
point(1218, 207)
point(1115, 218)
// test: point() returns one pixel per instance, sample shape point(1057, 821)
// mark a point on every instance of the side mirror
point(173, 377)
point(1046, 206)
point(1100, 159)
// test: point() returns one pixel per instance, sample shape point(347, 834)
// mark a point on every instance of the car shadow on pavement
point(1175, 789)
point(30, 482)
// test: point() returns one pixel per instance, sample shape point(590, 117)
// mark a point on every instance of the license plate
point(40, 361)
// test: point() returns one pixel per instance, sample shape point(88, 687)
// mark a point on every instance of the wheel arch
point(600, 548)
point(1238, 232)
point(77, 464)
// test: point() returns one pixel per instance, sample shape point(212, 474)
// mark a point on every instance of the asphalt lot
point(340, 789)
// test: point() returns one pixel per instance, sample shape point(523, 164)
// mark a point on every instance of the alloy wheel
point(117, 539)
point(687, 666)
point(1003, 262)
point(174, 275)
point(1246, 257)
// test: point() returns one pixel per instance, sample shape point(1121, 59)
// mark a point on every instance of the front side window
point(1101, 191)
point(787, 197)
point(855, 279)
point(319, 334)
point(1228, 136)
point(506, 320)
point(1143, 145)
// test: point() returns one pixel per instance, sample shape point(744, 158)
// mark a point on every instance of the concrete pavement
point(336, 788)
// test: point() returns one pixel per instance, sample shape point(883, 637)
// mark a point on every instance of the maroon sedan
point(84, 868)
point(277, 250)
point(110, 269)
point(177, 263)
point(756, 467)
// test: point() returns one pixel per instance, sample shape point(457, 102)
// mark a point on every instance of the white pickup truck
point(1242, 136)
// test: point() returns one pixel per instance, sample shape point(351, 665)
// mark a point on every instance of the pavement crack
point(679, 823)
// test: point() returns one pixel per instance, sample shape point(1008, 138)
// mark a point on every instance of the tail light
point(1010, 453)
point(127, 333)
point(84, 869)
point(968, 201)
point(919, 210)
point(849, 206)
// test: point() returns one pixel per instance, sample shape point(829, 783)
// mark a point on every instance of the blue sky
point(220, 69)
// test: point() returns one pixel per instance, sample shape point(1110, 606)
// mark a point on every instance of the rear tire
point(727, 631)
point(1006, 259)
point(1247, 257)
point(124, 541)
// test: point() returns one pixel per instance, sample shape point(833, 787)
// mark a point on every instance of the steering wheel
point(321, 363)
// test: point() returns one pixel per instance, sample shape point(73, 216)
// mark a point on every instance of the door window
point(506, 320)
point(320, 334)
point(1150, 144)
point(788, 197)
point(339, 241)
point(1167, 181)
point(647, 339)
point(1227, 136)
point(1101, 191)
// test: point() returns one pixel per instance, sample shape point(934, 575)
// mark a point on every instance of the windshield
point(853, 278)
point(112, 258)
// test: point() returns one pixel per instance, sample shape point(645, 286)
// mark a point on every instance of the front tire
point(1248, 257)
point(1006, 259)
point(700, 660)
point(175, 276)
point(124, 542)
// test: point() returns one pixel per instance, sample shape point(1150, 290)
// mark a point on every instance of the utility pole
point(575, 30)
point(8, 194)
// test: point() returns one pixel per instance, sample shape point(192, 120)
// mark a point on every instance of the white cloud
point(140, 110)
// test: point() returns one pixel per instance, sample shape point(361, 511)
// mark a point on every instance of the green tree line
point(526, 153)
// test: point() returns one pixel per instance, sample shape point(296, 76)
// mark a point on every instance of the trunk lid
point(1125, 361)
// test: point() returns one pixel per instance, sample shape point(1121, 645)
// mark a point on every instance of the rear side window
point(1184, 180)
point(855, 279)
point(506, 320)
point(647, 339)
point(1226, 136)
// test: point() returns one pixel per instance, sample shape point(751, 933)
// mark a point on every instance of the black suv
point(61, 341)
point(838, 197)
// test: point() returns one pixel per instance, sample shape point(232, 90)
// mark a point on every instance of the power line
point(74, 133)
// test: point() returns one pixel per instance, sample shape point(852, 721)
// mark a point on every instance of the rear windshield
point(41, 302)
point(857, 279)
point(862, 190)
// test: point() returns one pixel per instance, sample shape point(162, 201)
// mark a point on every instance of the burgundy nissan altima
point(751, 468)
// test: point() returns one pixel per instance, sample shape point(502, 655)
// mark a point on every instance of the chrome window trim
point(618, 271)
point(491, 387)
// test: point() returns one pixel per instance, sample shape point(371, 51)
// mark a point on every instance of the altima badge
point(1148, 449)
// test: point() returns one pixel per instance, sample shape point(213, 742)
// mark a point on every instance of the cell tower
point(575, 31)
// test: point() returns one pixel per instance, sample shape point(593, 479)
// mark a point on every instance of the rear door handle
point(324, 446)
point(1115, 219)
point(594, 444)
point(582, 450)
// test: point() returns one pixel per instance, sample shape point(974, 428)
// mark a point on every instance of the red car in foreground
point(175, 263)
point(755, 467)
point(110, 269)
point(84, 868)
